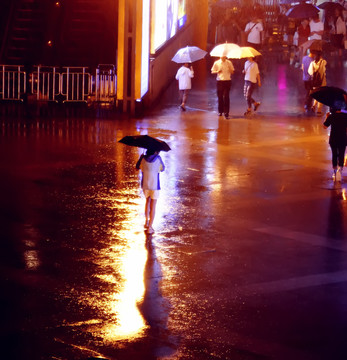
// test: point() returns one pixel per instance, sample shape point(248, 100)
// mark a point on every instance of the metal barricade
point(75, 84)
point(45, 83)
point(105, 83)
point(67, 84)
point(13, 82)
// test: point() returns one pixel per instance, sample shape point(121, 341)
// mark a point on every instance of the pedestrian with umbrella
point(151, 165)
point(252, 78)
point(185, 73)
point(317, 70)
point(336, 99)
point(224, 69)
point(337, 120)
point(184, 76)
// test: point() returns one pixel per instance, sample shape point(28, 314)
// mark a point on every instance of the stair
point(26, 36)
point(88, 38)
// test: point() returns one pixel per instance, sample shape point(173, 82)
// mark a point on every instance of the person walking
point(253, 31)
point(184, 76)
point(339, 32)
point(316, 28)
point(337, 139)
point(252, 78)
point(150, 164)
point(224, 69)
point(306, 77)
point(303, 34)
point(317, 69)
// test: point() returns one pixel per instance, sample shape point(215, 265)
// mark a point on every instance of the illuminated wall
point(191, 29)
point(150, 32)
point(167, 17)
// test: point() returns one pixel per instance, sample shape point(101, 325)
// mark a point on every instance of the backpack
point(317, 78)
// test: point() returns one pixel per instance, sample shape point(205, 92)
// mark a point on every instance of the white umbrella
point(188, 54)
point(229, 50)
point(248, 51)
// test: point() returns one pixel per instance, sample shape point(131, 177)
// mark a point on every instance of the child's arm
point(139, 162)
point(162, 167)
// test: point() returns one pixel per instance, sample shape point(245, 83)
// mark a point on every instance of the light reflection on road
point(126, 258)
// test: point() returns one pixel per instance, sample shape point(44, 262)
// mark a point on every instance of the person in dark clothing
point(337, 139)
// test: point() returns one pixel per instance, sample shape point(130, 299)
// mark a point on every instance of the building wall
point(162, 69)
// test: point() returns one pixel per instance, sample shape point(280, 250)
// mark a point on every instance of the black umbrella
point(331, 96)
point(328, 5)
point(146, 142)
point(302, 11)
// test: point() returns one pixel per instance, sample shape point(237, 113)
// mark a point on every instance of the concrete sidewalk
point(247, 261)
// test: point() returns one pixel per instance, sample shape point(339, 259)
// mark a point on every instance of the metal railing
point(105, 83)
point(67, 84)
point(13, 82)
point(75, 84)
point(45, 83)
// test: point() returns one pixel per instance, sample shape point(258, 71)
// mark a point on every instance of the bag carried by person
point(317, 79)
point(244, 35)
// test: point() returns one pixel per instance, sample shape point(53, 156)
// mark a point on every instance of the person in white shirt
point(317, 28)
point(339, 32)
point(224, 69)
point(252, 78)
point(150, 165)
point(184, 76)
point(254, 31)
point(319, 66)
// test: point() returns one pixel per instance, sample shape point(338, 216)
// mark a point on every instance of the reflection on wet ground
point(247, 261)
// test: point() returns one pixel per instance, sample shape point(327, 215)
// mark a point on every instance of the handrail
point(70, 83)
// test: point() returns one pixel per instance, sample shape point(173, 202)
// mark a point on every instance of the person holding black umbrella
point(150, 164)
point(337, 139)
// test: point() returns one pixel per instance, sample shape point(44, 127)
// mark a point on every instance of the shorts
point(153, 194)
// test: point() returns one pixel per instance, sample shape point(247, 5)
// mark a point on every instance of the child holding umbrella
point(150, 164)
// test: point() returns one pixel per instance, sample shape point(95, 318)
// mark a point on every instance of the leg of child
point(153, 204)
point(147, 211)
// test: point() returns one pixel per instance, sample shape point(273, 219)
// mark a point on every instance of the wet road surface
point(248, 258)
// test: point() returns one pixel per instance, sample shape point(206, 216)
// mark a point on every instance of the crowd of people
point(307, 37)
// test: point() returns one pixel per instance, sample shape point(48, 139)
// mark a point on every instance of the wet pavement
point(248, 258)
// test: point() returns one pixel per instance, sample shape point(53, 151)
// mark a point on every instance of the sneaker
point(226, 116)
point(256, 105)
point(248, 112)
point(182, 107)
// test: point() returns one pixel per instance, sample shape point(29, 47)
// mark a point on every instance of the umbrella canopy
point(189, 54)
point(146, 142)
point(248, 51)
point(331, 96)
point(302, 11)
point(313, 45)
point(229, 50)
point(330, 6)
